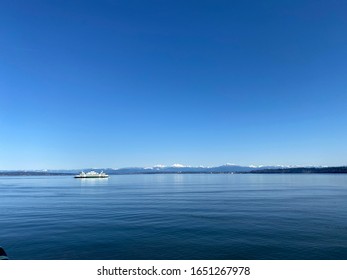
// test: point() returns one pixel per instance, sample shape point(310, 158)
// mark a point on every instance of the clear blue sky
point(136, 83)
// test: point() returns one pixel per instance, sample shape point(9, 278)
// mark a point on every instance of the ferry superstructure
point(91, 174)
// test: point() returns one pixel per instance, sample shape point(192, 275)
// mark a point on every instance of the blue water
point(200, 216)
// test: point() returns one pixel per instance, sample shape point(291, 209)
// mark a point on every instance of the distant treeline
point(296, 170)
point(340, 169)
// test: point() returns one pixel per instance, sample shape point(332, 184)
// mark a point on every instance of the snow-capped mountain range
point(179, 168)
point(175, 168)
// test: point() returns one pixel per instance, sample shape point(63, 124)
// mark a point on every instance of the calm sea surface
point(175, 217)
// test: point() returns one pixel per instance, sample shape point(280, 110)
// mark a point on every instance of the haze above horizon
point(134, 83)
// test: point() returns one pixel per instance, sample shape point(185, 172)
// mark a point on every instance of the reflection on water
point(93, 181)
point(175, 216)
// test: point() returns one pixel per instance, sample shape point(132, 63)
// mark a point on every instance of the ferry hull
point(87, 177)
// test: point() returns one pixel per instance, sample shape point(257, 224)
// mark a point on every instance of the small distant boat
point(92, 174)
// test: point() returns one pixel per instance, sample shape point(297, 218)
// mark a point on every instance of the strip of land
point(129, 171)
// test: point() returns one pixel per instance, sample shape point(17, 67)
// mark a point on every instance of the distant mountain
point(178, 168)
point(315, 170)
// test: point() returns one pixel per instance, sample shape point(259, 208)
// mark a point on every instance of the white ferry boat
point(92, 174)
